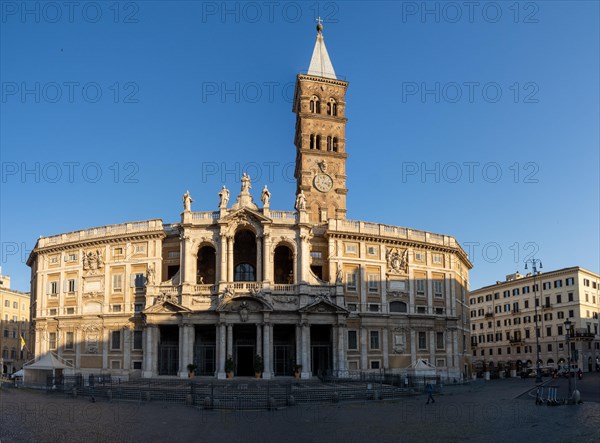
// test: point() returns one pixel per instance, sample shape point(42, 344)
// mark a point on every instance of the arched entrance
point(244, 256)
point(283, 265)
point(206, 265)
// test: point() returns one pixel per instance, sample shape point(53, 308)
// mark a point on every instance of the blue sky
point(482, 124)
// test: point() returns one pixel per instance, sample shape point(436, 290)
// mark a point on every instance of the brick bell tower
point(319, 104)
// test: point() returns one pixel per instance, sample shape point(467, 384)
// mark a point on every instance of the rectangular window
point(352, 340)
point(586, 282)
point(71, 286)
point(116, 308)
point(373, 283)
point(16, 305)
point(351, 248)
point(525, 289)
point(137, 340)
point(419, 256)
point(115, 340)
point(420, 287)
point(548, 331)
point(558, 298)
point(71, 257)
point(351, 281)
point(115, 364)
point(570, 296)
point(547, 285)
point(69, 340)
point(139, 248)
point(515, 291)
point(139, 280)
point(422, 340)
point(138, 307)
point(374, 340)
point(54, 288)
point(117, 252)
point(7, 303)
point(52, 340)
point(437, 259)
point(569, 281)
point(117, 282)
point(439, 340)
point(70, 311)
point(372, 250)
point(558, 283)
point(374, 364)
point(136, 364)
point(438, 288)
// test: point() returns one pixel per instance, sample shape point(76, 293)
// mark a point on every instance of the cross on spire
point(319, 24)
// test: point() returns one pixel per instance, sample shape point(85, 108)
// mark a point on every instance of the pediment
point(245, 215)
point(250, 303)
point(323, 306)
point(166, 307)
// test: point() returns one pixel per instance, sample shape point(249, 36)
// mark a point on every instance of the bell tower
point(319, 104)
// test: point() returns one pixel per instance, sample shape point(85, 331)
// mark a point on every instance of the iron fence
point(237, 394)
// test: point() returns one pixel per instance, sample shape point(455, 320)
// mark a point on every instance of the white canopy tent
point(36, 373)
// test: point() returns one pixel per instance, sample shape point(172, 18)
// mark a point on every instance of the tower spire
point(320, 63)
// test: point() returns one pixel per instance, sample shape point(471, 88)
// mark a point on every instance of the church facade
point(220, 288)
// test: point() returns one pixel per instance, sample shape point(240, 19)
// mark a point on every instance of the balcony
point(489, 314)
point(547, 306)
point(516, 341)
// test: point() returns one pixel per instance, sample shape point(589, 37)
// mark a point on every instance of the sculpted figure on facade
point(246, 186)
point(301, 201)
point(150, 275)
point(187, 201)
point(265, 197)
point(224, 197)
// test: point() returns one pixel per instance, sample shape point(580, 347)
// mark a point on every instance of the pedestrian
point(430, 393)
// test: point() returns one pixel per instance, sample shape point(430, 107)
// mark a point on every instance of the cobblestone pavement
point(482, 411)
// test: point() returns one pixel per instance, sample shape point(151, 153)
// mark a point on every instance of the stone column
point(182, 351)
point(230, 273)
point(306, 369)
point(78, 339)
point(187, 259)
point(127, 344)
point(259, 267)
point(146, 366)
point(341, 347)
point(267, 333)
point(229, 340)
point(363, 348)
point(429, 283)
point(259, 340)
point(303, 259)
point(432, 347)
point(154, 348)
point(298, 345)
point(413, 346)
point(268, 268)
point(223, 256)
point(386, 351)
point(362, 285)
point(334, 348)
point(221, 341)
point(105, 345)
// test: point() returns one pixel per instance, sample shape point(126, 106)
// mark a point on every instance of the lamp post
point(568, 333)
point(534, 264)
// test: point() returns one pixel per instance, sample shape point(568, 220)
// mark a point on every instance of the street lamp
point(534, 263)
point(568, 333)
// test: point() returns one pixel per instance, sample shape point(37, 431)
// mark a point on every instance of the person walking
point(430, 393)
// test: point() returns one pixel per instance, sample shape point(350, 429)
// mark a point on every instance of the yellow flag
point(22, 342)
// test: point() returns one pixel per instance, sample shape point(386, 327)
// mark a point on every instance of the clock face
point(323, 182)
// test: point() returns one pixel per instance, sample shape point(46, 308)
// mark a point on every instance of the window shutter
point(132, 280)
point(65, 285)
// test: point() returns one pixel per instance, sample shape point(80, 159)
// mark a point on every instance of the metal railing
point(242, 393)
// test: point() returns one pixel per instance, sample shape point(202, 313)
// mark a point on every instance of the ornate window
point(332, 107)
point(315, 105)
